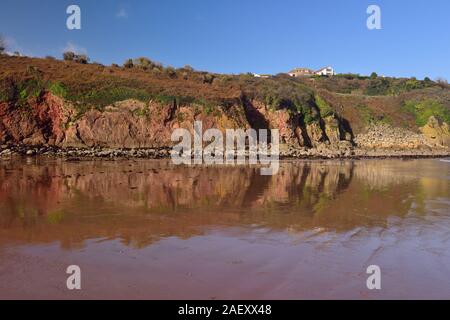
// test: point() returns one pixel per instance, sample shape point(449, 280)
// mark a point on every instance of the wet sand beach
point(147, 229)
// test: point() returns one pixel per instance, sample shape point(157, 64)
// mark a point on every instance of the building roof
point(301, 69)
point(324, 68)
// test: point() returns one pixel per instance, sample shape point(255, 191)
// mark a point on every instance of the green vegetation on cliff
point(324, 107)
point(359, 99)
point(423, 110)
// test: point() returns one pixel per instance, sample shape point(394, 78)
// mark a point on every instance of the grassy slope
point(360, 100)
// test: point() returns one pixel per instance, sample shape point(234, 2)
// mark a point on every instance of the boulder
point(437, 132)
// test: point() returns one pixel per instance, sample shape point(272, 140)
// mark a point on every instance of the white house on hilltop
point(326, 71)
point(301, 72)
point(305, 72)
point(256, 75)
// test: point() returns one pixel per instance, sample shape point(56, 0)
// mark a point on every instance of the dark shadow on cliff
point(255, 118)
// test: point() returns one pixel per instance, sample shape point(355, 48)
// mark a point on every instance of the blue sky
point(234, 36)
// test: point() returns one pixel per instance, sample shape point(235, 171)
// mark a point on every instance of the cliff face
point(49, 120)
point(293, 129)
point(134, 124)
point(45, 102)
point(128, 124)
point(41, 122)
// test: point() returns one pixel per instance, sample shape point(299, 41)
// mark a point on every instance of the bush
point(68, 56)
point(412, 84)
point(366, 114)
point(128, 64)
point(29, 89)
point(308, 114)
point(377, 87)
point(143, 63)
point(324, 107)
point(348, 76)
point(21, 91)
point(71, 56)
point(284, 94)
point(57, 89)
point(102, 97)
point(81, 58)
point(423, 110)
point(146, 63)
point(170, 71)
point(156, 70)
point(208, 78)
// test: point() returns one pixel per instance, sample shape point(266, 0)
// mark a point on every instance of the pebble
point(342, 150)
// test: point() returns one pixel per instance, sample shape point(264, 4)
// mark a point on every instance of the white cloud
point(70, 46)
point(122, 13)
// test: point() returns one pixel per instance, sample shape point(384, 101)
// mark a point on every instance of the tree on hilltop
point(68, 56)
point(128, 63)
point(72, 56)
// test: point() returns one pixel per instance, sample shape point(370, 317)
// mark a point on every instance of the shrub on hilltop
point(79, 58)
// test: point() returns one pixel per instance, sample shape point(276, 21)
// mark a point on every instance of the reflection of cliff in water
point(141, 201)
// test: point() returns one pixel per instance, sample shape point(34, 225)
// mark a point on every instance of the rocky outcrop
point(134, 124)
point(437, 132)
point(292, 128)
point(51, 122)
point(42, 121)
point(383, 136)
